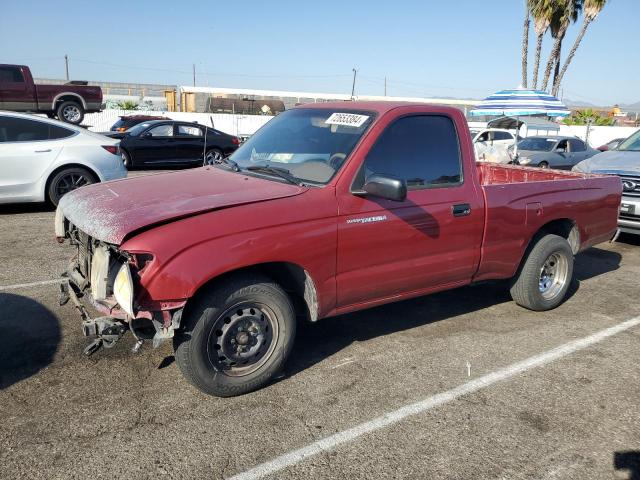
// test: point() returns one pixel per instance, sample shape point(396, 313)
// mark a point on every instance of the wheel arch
point(67, 96)
point(65, 166)
point(293, 278)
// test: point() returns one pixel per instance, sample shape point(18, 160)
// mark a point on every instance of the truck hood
point(113, 210)
point(613, 161)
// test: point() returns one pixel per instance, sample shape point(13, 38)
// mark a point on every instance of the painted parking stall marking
point(32, 284)
point(328, 443)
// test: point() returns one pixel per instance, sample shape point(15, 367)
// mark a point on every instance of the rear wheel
point(212, 156)
point(70, 112)
point(544, 278)
point(236, 337)
point(67, 180)
point(126, 158)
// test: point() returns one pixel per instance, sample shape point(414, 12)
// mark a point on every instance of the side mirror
point(147, 135)
point(386, 186)
point(561, 150)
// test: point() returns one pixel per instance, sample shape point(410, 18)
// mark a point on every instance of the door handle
point(43, 151)
point(461, 210)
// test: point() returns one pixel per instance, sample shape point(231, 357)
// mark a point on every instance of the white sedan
point(42, 159)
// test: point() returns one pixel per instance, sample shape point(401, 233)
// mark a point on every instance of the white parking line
point(351, 434)
point(32, 284)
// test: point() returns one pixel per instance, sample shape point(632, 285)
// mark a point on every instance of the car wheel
point(212, 156)
point(67, 180)
point(544, 278)
point(70, 112)
point(51, 115)
point(543, 165)
point(126, 158)
point(236, 337)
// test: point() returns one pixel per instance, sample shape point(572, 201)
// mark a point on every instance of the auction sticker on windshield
point(347, 119)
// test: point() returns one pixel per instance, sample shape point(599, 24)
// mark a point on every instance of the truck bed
point(517, 197)
point(493, 174)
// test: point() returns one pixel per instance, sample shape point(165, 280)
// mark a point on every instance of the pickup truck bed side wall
point(364, 251)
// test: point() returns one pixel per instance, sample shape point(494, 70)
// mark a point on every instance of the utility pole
point(353, 87)
point(194, 74)
point(66, 65)
point(385, 86)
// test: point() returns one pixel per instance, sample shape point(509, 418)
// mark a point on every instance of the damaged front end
point(111, 280)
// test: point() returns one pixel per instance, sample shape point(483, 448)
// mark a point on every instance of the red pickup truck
point(328, 209)
point(68, 102)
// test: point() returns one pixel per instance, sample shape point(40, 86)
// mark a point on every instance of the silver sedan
point(553, 152)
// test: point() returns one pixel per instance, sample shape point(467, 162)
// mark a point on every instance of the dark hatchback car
point(125, 122)
point(172, 143)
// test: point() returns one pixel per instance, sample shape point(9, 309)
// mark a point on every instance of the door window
point(577, 145)
point(14, 129)
point(502, 136)
point(11, 75)
point(423, 150)
point(161, 131)
point(189, 131)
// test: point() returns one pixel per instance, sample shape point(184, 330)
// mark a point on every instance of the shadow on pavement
point(13, 208)
point(316, 341)
point(29, 340)
point(628, 462)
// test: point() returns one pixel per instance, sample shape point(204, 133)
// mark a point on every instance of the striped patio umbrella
point(521, 102)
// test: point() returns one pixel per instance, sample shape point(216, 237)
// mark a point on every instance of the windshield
point(311, 144)
point(137, 129)
point(631, 144)
point(537, 144)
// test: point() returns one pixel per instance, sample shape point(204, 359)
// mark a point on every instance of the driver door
point(431, 239)
point(156, 145)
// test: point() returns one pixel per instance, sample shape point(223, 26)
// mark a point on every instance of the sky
point(454, 48)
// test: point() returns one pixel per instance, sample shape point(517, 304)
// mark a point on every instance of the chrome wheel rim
point(71, 113)
point(242, 339)
point(553, 276)
point(213, 156)
point(70, 182)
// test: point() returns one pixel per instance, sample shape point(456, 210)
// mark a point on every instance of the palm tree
point(541, 11)
point(564, 12)
point(525, 42)
point(592, 9)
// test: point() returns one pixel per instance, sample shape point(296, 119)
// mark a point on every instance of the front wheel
point(236, 337)
point(544, 278)
point(543, 165)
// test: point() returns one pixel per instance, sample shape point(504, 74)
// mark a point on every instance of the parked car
point(125, 122)
point(44, 159)
point(171, 143)
point(553, 152)
point(492, 144)
point(624, 162)
point(328, 209)
point(68, 102)
point(612, 145)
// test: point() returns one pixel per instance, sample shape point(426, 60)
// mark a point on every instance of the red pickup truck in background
point(328, 209)
point(68, 102)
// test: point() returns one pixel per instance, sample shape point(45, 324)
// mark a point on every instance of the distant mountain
point(631, 107)
point(577, 103)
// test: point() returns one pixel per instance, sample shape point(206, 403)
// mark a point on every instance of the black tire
point(213, 155)
point(225, 354)
point(543, 165)
point(70, 112)
point(126, 159)
point(66, 180)
point(51, 115)
point(545, 275)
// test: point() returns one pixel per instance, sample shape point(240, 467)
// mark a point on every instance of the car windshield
point(137, 129)
point(631, 144)
point(310, 144)
point(537, 144)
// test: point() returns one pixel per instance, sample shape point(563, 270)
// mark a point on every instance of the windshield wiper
point(227, 161)
point(277, 171)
